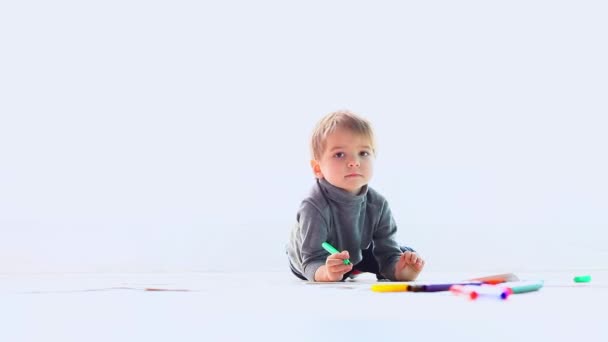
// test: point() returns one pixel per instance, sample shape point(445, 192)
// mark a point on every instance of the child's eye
point(364, 154)
point(339, 155)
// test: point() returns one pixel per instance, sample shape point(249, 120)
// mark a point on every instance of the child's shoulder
point(374, 197)
point(315, 198)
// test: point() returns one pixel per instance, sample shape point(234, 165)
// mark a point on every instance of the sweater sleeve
point(386, 248)
point(313, 232)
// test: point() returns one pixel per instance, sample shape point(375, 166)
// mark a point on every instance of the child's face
point(347, 162)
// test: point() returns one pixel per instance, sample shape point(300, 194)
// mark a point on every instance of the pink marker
point(487, 291)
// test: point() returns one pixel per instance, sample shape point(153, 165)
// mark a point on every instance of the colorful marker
point(477, 291)
point(462, 290)
point(582, 279)
point(390, 287)
point(437, 287)
point(523, 286)
point(400, 287)
point(497, 278)
point(331, 249)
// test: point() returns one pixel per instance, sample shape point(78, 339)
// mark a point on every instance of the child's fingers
point(339, 256)
point(337, 266)
point(342, 255)
point(344, 268)
point(402, 262)
point(335, 262)
point(415, 260)
point(410, 258)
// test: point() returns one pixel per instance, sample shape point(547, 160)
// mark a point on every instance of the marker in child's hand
point(332, 250)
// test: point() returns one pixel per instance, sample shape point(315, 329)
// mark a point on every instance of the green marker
point(331, 249)
point(582, 279)
point(523, 286)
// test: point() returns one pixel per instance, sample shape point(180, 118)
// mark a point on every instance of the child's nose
point(353, 163)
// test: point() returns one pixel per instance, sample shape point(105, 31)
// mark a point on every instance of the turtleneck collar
point(340, 195)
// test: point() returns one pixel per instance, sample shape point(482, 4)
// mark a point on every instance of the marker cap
point(582, 279)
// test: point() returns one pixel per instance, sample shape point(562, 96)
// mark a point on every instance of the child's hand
point(409, 266)
point(335, 268)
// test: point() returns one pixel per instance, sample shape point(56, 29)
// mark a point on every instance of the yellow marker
point(390, 287)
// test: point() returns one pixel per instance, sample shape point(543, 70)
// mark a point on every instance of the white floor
point(278, 307)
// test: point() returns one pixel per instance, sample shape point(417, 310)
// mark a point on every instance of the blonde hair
point(339, 119)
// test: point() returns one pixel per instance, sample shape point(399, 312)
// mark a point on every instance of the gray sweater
point(348, 222)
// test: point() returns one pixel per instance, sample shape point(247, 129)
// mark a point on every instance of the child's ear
point(316, 168)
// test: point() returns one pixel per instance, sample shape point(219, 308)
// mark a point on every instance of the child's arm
point(334, 268)
point(408, 266)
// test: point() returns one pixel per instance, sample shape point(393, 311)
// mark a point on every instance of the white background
point(173, 136)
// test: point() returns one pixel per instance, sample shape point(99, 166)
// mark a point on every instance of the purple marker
point(444, 287)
